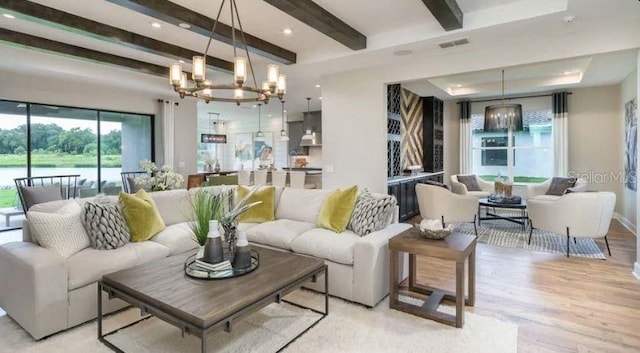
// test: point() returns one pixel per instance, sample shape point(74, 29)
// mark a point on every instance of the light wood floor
point(560, 304)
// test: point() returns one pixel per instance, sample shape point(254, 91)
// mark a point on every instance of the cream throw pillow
point(61, 232)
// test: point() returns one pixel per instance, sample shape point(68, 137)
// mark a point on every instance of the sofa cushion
point(61, 231)
point(142, 215)
point(326, 244)
point(263, 212)
point(105, 224)
point(174, 206)
point(547, 197)
point(177, 237)
point(301, 204)
point(41, 194)
point(89, 265)
point(337, 209)
point(371, 212)
point(560, 185)
point(470, 182)
point(279, 233)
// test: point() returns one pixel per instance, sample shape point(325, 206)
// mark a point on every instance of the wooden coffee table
point(199, 307)
point(456, 247)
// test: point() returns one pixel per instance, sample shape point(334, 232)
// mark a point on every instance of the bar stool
point(279, 178)
point(297, 179)
point(260, 177)
point(244, 177)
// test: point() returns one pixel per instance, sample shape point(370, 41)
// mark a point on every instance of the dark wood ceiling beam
point(322, 20)
point(447, 12)
point(55, 47)
point(77, 24)
point(175, 14)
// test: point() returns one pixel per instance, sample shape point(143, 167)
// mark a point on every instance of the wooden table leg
point(412, 271)
point(459, 294)
point(393, 278)
point(472, 278)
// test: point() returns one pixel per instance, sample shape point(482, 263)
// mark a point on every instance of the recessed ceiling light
point(184, 25)
point(268, 115)
point(285, 110)
point(402, 52)
point(155, 25)
point(567, 73)
point(318, 86)
point(459, 85)
point(8, 15)
point(181, 61)
point(568, 19)
point(320, 98)
point(287, 31)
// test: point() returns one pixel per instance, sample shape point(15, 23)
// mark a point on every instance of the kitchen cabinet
point(296, 130)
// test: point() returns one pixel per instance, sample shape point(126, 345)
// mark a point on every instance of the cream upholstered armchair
point(576, 214)
point(437, 202)
point(460, 189)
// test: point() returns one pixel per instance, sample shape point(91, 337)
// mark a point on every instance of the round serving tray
point(192, 269)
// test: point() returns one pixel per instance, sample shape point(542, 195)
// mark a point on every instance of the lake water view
point(109, 174)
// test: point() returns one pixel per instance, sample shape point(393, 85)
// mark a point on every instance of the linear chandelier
point(275, 85)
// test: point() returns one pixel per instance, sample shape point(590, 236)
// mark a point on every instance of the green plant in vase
point(206, 207)
point(229, 221)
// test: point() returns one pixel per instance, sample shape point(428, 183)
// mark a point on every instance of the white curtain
point(168, 125)
point(466, 140)
point(560, 134)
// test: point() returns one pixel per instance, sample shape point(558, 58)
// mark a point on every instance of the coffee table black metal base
point(522, 219)
point(148, 310)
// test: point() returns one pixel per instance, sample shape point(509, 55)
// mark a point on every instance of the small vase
point(242, 256)
point(213, 252)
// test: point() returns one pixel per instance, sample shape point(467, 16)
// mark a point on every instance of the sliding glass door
point(47, 140)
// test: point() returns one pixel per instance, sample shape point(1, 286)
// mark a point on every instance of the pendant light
point(259, 134)
point(502, 117)
point(308, 135)
point(283, 132)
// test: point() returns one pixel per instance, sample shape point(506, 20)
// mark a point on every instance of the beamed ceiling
point(329, 36)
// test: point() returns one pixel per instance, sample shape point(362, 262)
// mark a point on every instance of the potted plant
point(158, 179)
point(205, 207)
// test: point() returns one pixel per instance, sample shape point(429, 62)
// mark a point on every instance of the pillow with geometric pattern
point(105, 224)
point(371, 213)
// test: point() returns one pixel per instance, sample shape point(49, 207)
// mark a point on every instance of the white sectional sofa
point(45, 293)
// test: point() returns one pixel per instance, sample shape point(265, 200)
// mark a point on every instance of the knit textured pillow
point(60, 231)
point(105, 225)
point(371, 213)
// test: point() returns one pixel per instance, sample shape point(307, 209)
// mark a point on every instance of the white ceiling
point(389, 25)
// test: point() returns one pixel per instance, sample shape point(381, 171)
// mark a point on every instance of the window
point(41, 140)
point(529, 156)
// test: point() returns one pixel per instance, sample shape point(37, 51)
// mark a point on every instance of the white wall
point(84, 94)
point(628, 91)
point(595, 143)
point(451, 140)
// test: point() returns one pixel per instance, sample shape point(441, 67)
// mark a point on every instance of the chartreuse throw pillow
point(263, 212)
point(141, 215)
point(337, 208)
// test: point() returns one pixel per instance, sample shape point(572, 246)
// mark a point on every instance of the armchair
point(577, 214)
point(460, 189)
point(436, 202)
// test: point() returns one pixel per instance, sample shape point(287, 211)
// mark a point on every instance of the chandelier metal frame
point(275, 85)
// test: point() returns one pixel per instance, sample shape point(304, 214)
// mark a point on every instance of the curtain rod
point(516, 97)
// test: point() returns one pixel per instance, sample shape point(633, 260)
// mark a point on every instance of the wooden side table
point(456, 247)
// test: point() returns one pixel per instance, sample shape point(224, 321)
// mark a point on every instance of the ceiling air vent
point(453, 43)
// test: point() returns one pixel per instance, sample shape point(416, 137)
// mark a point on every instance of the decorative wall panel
point(411, 129)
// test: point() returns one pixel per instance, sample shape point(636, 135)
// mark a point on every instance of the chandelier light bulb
point(175, 74)
point(238, 93)
point(198, 69)
point(265, 88)
point(282, 85)
point(183, 81)
point(240, 70)
point(273, 71)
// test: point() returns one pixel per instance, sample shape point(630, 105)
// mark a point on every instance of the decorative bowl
point(435, 234)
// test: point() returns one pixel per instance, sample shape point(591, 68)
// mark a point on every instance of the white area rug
point(510, 235)
point(348, 328)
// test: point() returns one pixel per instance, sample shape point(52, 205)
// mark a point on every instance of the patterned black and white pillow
point(105, 225)
point(371, 213)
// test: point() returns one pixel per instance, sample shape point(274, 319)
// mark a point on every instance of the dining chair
point(260, 176)
point(244, 177)
point(279, 178)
